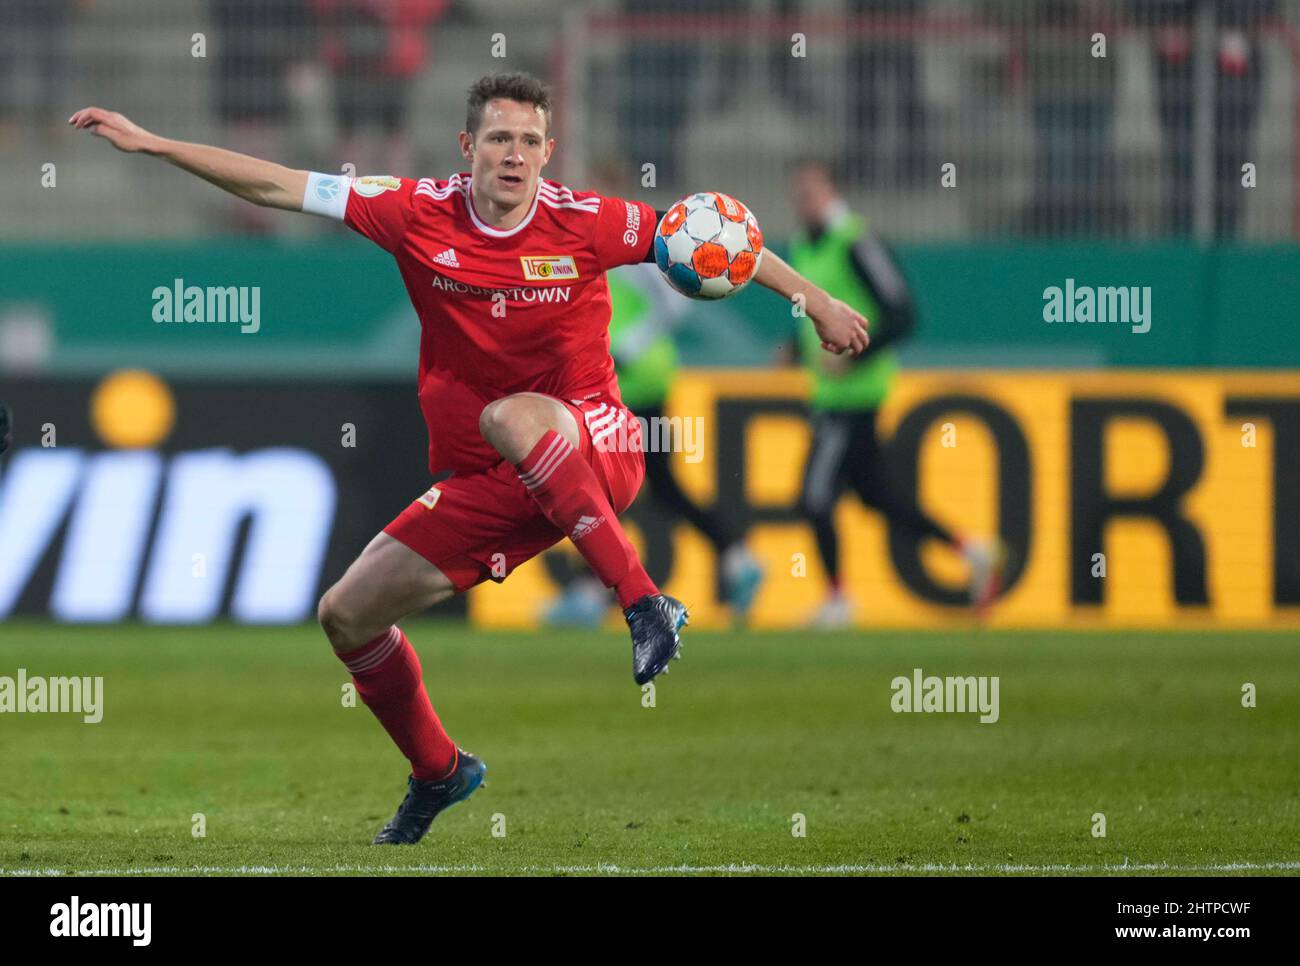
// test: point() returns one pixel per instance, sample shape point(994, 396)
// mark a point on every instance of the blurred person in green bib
point(834, 249)
point(646, 311)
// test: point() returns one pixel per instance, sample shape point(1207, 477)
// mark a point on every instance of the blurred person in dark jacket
point(645, 312)
point(1238, 72)
point(375, 49)
point(1072, 94)
point(33, 63)
point(835, 249)
point(256, 45)
point(884, 69)
point(660, 83)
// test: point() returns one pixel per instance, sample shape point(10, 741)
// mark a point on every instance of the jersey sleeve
point(378, 207)
point(624, 232)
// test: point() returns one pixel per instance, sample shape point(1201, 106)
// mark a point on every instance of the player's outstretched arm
point(263, 183)
point(840, 326)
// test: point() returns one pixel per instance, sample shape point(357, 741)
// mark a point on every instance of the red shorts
point(482, 525)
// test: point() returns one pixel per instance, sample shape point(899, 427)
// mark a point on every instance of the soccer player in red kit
point(506, 272)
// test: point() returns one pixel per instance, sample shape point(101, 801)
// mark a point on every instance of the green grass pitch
point(247, 727)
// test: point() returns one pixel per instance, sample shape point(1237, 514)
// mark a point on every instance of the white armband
point(327, 194)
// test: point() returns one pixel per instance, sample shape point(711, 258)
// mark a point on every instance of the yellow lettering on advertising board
point(1186, 483)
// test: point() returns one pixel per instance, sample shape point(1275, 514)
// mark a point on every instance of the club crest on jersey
point(372, 185)
point(549, 268)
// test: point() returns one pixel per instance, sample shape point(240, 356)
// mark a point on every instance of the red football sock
point(566, 489)
point(386, 672)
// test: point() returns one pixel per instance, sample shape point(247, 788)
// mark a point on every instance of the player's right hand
point(116, 129)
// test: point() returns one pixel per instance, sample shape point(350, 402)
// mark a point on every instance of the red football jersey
point(524, 309)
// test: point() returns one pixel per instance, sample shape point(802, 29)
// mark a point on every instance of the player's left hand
point(841, 327)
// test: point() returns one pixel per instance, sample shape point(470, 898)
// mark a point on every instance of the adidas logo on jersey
point(447, 258)
point(585, 525)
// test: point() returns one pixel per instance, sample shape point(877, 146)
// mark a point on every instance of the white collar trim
point(488, 229)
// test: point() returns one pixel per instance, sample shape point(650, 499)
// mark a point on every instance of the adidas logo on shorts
point(585, 525)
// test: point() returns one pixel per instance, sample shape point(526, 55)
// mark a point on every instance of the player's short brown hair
point(517, 86)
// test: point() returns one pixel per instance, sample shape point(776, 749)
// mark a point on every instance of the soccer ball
point(708, 245)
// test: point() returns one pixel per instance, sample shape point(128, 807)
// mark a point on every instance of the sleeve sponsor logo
point(633, 225)
point(430, 499)
point(373, 185)
point(549, 268)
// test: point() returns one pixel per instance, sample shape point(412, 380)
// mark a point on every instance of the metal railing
point(947, 120)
